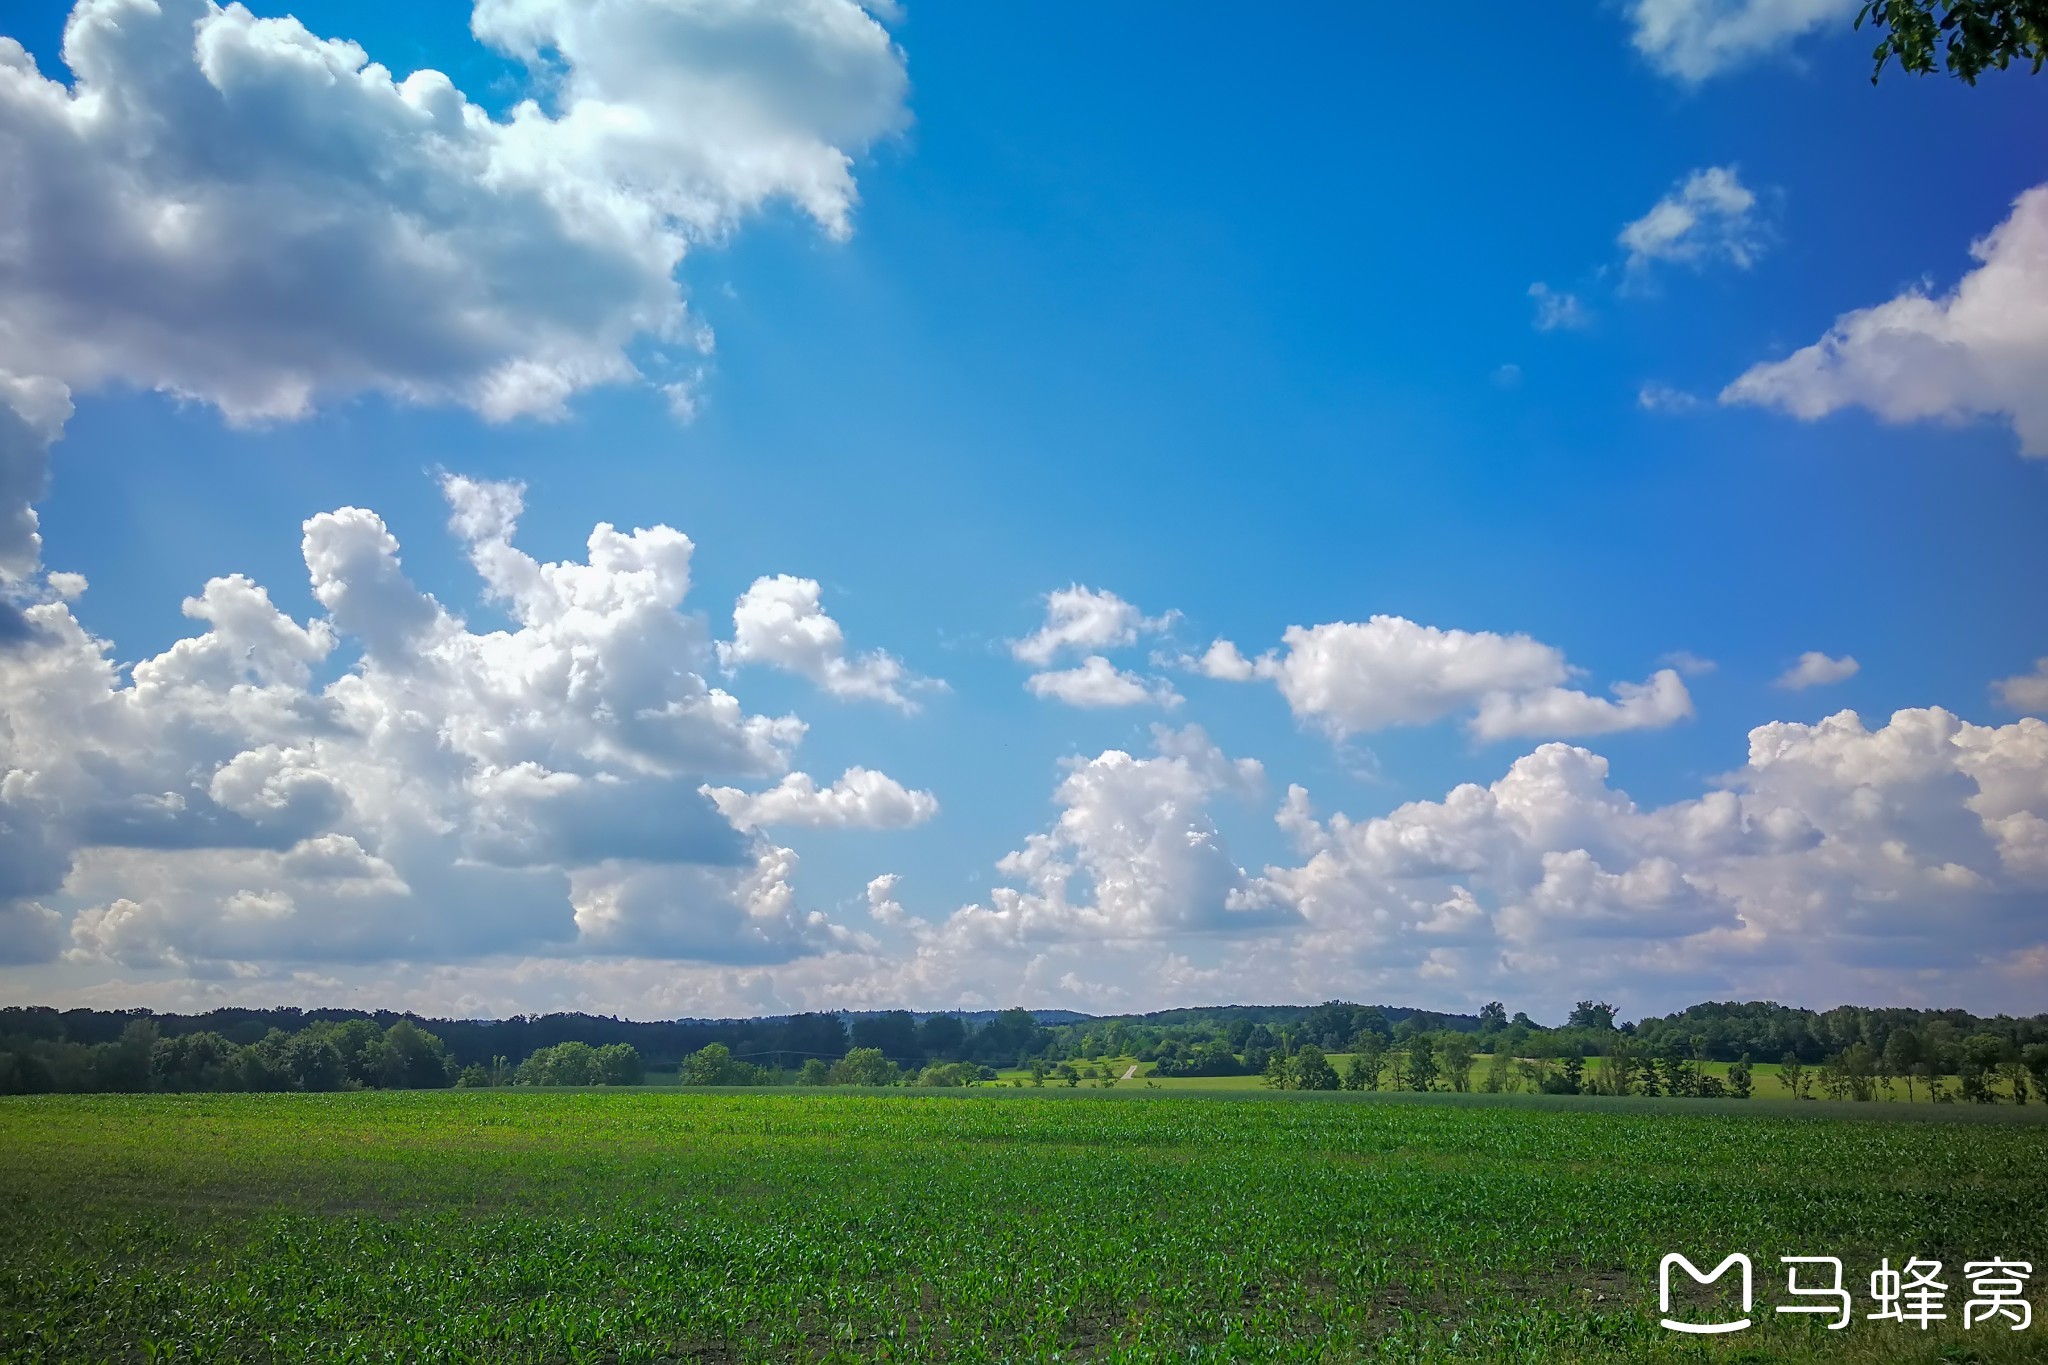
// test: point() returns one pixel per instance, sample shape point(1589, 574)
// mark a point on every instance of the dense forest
point(1845, 1052)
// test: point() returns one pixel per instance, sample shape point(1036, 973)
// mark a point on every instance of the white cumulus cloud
point(449, 794)
point(2025, 691)
point(779, 621)
point(1815, 669)
point(1084, 619)
point(1980, 350)
point(861, 798)
point(1695, 39)
point(1096, 682)
point(1351, 678)
point(1709, 216)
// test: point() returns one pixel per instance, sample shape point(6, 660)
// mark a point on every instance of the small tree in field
point(1421, 1069)
point(864, 1066)
point(1454, 1053)
point(1312, 1070)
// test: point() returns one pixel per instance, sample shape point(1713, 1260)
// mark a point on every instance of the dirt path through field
point(1132, 1072)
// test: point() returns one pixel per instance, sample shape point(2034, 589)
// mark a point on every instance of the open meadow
point(978, 1225)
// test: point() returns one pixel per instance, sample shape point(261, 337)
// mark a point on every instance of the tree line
point(1850, 1052)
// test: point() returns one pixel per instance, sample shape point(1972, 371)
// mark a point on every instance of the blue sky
point(1234, 318)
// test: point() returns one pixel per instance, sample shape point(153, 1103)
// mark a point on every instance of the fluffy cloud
point(1709, 216)
point(236, 210)
point(32, 415)
point(1907, 860)
point(1135, 835)
point(1656, 396)
point(1084, 619)
point(1835, 849)
point(1695, 39)
point(1096, 682)
point(450, 794)
point(1816, 669)
point(861, 798)
point(1979, 351)
point(778, 621)
point(1351, 678)
point(1651, 705)
point(2025, 691)
point(1557, 310)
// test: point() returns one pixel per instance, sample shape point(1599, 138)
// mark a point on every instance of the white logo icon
point(1704, 1329)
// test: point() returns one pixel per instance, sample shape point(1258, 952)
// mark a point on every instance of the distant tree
point(312, 1063)
point(714, 1064)
point(805, 1035)
point(1792, 1074)
point(1902, 1054)
point(815, 1072)
point(1500, 1073)
point(1454, 1053)
point(1967, 37)
point(1312, 1070)
point(1589, 1015)
point(415, 1059)
point(192, 1061)
point(1065, 1071)
point(1493, 1015)
point(2035, 1059)
point(124, 1064)
point(1421, 1071)
point(1574, 1075)
point(950, 1075)
point(893, 1034)
point(1368, 1063)
point(1740, 1079)
point(619, 1064)
point(864, 1066)
point(942, 1036)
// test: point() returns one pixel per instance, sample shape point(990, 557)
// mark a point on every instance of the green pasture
point(981, 1225)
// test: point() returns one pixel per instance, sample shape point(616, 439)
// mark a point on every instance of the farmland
point(1130, 1225)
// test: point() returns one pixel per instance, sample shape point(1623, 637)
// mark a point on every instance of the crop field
point(992, 1225)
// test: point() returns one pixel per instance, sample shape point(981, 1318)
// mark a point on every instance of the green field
point(990, 1225)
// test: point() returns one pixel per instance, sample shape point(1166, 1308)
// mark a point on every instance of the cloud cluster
point(1087, 620)
point(1838, 858)
point(1979, 351)
point(1133, 854)
point(779, 621)
point(1694, 39)
point(236, 211)
point(1352, 678)
point(1709, 216)
point(245, 797)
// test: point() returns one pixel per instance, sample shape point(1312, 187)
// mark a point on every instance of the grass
point(992, 1225)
